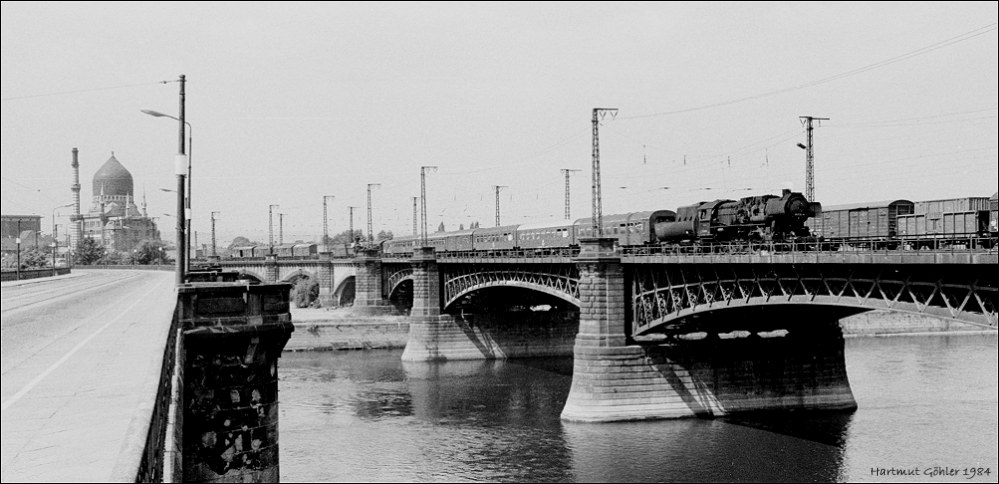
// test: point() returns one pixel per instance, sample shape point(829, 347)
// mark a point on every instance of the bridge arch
point(298, 274)
point(560, 294)
point(665, 298)
point(252, 275)
point(396, 279)
point(343, 294)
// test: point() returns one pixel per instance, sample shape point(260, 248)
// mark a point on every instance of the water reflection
point(756, 448)
point(367, 416)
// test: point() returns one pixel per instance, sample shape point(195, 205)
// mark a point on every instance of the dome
point(113, 179)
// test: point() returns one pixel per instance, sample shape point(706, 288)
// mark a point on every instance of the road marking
point(38, 379)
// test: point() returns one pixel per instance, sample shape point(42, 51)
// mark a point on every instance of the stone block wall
point(233, 337)
point(491, 336)
point(710, 377)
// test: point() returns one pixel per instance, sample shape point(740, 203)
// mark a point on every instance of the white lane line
point(38, 379)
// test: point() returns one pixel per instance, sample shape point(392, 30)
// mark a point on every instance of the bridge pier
point(271, 272)
point(368, 298)
point(613, 380)
point(426, 321)
point(325, 275)
point(232, 337)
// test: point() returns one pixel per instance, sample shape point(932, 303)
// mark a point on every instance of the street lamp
point(190, 149)
point(55, 247)
point(371, 236)
point(270, 226)
point(214, 213)
point(326, 232)
point(181, 171)
point(54, 210)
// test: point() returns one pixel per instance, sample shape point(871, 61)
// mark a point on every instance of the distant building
point(114, 220)
point(13, 224)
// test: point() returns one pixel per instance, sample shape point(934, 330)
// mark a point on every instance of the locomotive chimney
point(75, 220)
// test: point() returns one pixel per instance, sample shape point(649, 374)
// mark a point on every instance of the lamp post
point(371, 236)
point(270, 226)
point(18, 241)
point(55, 247)
point(182, 168)
point(190, 147)
point(351, 209)
point(423, 200)
point(597, 202)
point(54, 210)
point(326, 231)
point(213, 234)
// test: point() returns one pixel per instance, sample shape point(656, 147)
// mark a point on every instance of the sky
point(290, 102)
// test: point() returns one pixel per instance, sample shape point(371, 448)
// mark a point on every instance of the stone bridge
point(662, 336)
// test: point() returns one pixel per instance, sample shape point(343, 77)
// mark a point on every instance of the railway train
point(904, 223)
point(301, 250)
point(759, 218)
point(704, 226)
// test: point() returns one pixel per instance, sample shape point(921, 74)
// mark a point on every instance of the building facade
point(114, 220)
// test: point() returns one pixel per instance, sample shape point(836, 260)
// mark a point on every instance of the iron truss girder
point(559, 280)
point(663, 294)
point(395, 278)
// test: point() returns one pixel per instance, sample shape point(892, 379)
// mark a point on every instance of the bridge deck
point(81, 362)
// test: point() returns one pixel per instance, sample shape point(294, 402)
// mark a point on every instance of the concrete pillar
point(233, 337)
point(426, 283)
point(271, 268)
point(368, 283)
point(425, 317)
point(601, 295)
point(325, 274)
point(613, 380)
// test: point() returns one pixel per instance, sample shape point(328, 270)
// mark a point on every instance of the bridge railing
point(977, 245)
point(926, 245)
point(14, 275)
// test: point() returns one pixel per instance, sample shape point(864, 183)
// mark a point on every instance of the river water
point(927, 404)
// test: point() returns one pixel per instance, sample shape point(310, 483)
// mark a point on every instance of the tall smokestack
point(76, 220)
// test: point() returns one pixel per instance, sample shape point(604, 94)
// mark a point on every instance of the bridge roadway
point(81, 357)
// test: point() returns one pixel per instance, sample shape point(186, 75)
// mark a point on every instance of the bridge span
point(659, 335)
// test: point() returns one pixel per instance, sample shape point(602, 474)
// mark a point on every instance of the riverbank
point(890, 323)
point(321, 329)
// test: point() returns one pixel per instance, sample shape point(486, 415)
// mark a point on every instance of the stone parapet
point(233, 336)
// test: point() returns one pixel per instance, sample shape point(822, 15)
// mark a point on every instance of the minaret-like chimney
point(76, 221)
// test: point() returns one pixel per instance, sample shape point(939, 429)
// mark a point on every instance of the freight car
point(994, 215)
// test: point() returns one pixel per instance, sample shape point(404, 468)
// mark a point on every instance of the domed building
point(114, 220)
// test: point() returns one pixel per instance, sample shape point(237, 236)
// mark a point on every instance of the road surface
point(80, 361)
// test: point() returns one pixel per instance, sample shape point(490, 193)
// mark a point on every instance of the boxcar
point(994, 214)
point(969, 223)
point(249, 251)
point(871, 220)
point(284, 250)
point(305, 250)
point(965, 204)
